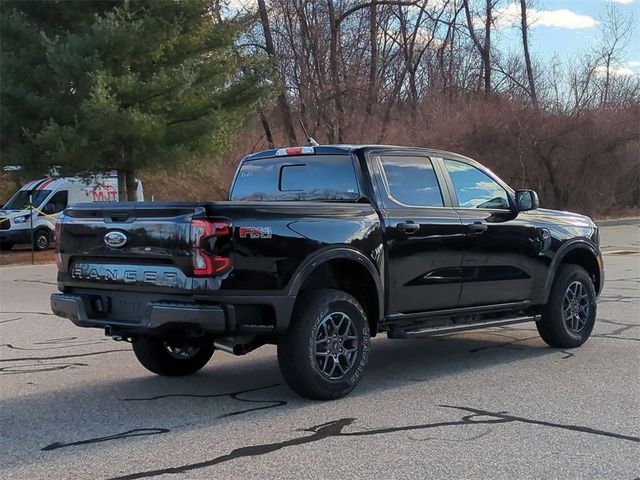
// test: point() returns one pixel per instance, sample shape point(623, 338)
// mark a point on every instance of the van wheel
point(570, 314)
point(168, 359)
point(323, 354)
point(5, 247)
point(41, 239)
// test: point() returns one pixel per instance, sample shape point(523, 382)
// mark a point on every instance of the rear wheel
point(5, 246)
point(166, 358)
point(570, 314)
point(324, 352)
point(41, 239)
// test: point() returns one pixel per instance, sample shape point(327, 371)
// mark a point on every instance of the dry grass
point(7, 187)
point(588, 163)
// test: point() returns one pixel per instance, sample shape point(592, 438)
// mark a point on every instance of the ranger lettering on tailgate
point(126, 274)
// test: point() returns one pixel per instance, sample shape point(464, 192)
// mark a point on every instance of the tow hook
point(108, 331)
point(119, 338)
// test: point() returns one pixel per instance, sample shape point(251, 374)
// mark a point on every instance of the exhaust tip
point(237, 345)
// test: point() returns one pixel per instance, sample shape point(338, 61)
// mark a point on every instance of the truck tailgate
point(155, 252)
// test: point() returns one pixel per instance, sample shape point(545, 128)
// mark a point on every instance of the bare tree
point(527, 57)
point(373, 62)
point(615, 30)
point(285, 110)
point(484, 46)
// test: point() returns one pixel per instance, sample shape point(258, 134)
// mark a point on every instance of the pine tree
point(120, 84)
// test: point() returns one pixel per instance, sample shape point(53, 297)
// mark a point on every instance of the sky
point(566, 28)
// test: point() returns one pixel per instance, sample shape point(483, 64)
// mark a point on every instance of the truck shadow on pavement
point(241, 386)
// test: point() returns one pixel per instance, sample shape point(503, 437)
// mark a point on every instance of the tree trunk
point(333, 68)
point(122, 186)
point(486, 51)
point(130, 184)
point(317, 68)
point(527, 58)
point(607, 81)
point(373, 65)
point(283, 104)
point(267, 129)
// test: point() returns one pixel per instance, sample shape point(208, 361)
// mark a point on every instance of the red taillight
point(58, 254)
point(208, 263)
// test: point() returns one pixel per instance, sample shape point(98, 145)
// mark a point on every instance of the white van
point(49, 197)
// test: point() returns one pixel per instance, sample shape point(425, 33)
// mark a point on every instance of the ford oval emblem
point(115, 239)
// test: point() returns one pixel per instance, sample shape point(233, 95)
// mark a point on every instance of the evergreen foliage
point(96, 85)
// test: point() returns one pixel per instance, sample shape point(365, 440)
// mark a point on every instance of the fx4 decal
point(255, 232)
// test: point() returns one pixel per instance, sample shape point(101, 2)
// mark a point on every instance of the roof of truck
point(350, 148)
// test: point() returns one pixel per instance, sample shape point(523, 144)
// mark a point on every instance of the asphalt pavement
point(495, 403)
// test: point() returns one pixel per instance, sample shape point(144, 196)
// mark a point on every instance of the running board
point(442, 329)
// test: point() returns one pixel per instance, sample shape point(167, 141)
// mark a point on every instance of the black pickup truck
point(317, 250)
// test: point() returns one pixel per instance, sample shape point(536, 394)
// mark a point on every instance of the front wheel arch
point(578, 253)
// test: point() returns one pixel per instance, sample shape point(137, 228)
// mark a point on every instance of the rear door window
point(411, 181)
point(319, 178)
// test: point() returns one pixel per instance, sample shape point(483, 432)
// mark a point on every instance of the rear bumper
point(152, 314)
point(158, 316)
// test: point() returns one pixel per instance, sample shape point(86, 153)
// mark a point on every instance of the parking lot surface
point(496, 403)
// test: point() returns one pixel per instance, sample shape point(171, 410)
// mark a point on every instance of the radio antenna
point(310, 141)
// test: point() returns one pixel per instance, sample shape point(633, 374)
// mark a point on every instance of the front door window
point(474, 188)
point(57, 203)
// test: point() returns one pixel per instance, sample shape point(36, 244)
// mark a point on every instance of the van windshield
point(21, 199)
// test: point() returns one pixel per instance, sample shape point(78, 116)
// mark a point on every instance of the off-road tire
point(315, 314)
point(554, 328)
point(154, 355)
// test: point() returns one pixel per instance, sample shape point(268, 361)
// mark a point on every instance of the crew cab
point(317, 250)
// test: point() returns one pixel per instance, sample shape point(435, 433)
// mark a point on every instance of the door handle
point(477, 227)
point(408, 227)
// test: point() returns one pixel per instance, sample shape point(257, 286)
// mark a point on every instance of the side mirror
point(526, 200)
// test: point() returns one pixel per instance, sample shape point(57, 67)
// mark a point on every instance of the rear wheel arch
point(347, 270)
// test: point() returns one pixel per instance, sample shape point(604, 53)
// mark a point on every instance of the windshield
point(21, 199)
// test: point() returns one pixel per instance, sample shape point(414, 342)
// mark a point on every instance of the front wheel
point(173, 360)
point(323, 354)
point(570, 314)
point(41, 239)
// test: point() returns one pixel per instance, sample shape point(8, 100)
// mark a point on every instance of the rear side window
point(322, 177)
point(411, 181)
